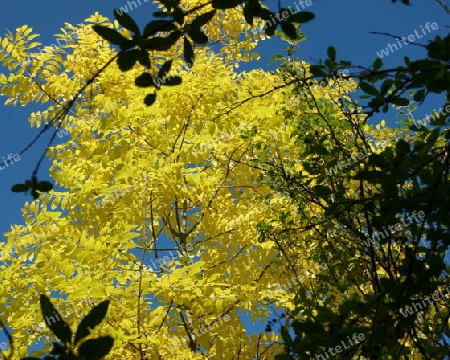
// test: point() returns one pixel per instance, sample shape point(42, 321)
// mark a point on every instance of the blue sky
point(344, 24)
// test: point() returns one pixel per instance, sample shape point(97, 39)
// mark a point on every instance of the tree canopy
point(221, 195)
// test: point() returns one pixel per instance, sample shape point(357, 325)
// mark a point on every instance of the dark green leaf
point(226, 4)
point(203, 19)
point(178, 15)
point(270, 30)
point(173, 81)
point(111, 35)
point(144, 58)
point(127, 59)
point(20, 188)
point(58, 349)
point(198, 35)
point(419, 96)
point(44, 186)
point(289, 30)
point(367, 88)
point(126, 21)
point(301, 17)
point(144, 80)
point(34, 194)
point(249, 13)
point(91, 320)
point(163, 43)
point(323, 192)
point(150, 99)
point(96, 349)
point(158, 26)
point(400, 101)
point(165, 68)
point(317, 71)
point(161, 14)
point(377, 64)
point(54, 321)
point(188, 52)
point(331, 51)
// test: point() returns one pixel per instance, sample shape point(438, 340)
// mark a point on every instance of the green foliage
point(371, 278)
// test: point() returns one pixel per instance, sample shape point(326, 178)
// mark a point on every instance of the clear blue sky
point(344, 24)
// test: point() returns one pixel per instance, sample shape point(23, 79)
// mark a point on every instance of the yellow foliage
point(177, 175)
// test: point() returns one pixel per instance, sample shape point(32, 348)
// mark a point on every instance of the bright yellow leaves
point(145, 181)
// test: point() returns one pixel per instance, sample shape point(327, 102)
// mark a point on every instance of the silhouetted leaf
point(111, 35)
point(144, 58)
point(44, 186)
point(96, 349)
point(198, 35)
point(144, 80)
point(289, 30)
point(377, 64)
point(34, 194)
point(58, 349)
point(126, 21)
point(178, 16)
point(158, 26)
point(59, 327)
point(226, 4)
point(127, 59)
point(331, 51)
point(400, 101)
point(161, 14)
point(188, 52)
point(150, 99)
point(20, 188)
point(301, 17)
point(203, 19)
point(162, 43)
point(91, 320)
point(175, 80)
point(164, 70)
point(367, 88)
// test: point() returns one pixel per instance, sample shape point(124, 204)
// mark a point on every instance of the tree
point(371, 203)
point(208, 180)
point(161, 212)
